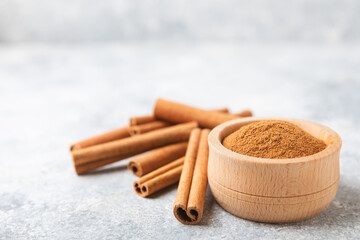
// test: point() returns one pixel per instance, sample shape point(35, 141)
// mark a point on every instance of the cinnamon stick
point(156, 158)
point(141, 120)
point(134, 121)
point(222, 110)
point(137, 125)
point(103, 138)
point(245, 113)
point(147, 127)
point(87, 167)
point(190, 197)
point(159, 179)
point(178, 113)
point(133, 145)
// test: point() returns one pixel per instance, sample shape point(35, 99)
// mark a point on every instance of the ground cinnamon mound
point(273, 139)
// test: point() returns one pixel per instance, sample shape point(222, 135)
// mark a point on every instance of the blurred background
point(81, 21)
point(73, 69)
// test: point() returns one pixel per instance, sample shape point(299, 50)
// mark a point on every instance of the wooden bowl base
point(272, 209)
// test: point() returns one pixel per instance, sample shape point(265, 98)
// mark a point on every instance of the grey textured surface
point(51, 96)
point(180, 20)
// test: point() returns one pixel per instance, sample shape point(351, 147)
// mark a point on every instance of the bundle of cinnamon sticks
point(171, 147)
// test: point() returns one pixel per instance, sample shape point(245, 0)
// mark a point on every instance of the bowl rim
point(216, 144)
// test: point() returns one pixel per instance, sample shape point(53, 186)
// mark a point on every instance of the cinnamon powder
point(273, 139)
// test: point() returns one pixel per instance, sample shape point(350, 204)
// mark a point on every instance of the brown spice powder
point(273, 139)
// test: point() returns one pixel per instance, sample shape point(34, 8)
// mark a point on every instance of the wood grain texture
point(250, 187)
point(273, 210)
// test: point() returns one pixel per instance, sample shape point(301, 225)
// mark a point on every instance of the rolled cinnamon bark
point(135, 128)
point(179, 113)
point(134, 145)
point(103, 138)
point(159, 179)
point(196, 200)
point(156, 158)
point(245, 113)
point(190, 197)
point(147, 127)
point(150, 118)
point(141, 120)
point(87, 167)
point(222, 110)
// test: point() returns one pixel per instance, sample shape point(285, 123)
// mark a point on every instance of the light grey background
point(329, 21)
point(73, 69)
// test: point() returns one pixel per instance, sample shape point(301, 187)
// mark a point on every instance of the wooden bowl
point(274, 190)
